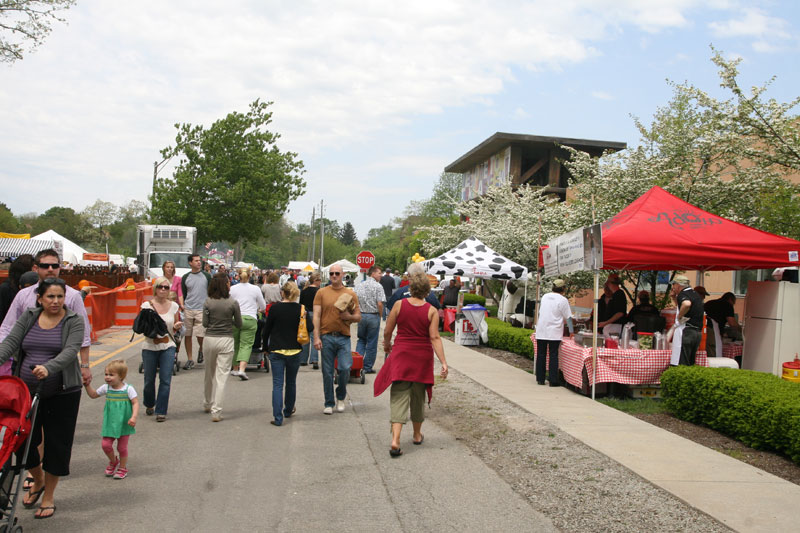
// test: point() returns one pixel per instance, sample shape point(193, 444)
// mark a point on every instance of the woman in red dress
point(409, 369)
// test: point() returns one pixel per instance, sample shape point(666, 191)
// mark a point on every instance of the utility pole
point(312, 241)
point(321, 233)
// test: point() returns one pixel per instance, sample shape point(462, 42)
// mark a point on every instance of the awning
point(18, 247)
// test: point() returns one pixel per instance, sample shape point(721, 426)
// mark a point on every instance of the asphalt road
point(315, 473)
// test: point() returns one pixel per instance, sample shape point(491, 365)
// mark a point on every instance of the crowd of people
point(45, 339)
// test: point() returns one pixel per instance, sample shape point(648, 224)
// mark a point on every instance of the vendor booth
point(659, 231)
point(473, 259)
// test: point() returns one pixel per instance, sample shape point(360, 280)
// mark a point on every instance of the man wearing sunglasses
point(47, 266)
point(332, 337)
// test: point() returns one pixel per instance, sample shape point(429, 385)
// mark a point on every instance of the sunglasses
point(335, 273)
point(47, 266)
point(165, 287)
point(54, 281)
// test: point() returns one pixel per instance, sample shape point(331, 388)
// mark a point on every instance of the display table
point(630, 367)
point(731, 351)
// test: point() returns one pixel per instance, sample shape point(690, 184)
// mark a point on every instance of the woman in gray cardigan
point(48, 338)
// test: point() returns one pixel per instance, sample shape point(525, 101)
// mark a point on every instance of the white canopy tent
point(346, 265)
point(303, 265)
point(70, 252)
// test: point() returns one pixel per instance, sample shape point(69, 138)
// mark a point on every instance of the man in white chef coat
point(553, 311)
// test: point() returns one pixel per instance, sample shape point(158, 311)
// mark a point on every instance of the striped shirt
point(369, 293)
point(40, 346)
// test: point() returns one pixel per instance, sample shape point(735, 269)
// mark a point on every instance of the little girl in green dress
point(119, 416)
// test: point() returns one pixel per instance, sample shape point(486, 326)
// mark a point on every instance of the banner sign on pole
point(581, 249)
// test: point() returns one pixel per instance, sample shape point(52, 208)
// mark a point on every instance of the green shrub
point(505, 337)
point(492, 310)
point(761, 410)
point(470, 298)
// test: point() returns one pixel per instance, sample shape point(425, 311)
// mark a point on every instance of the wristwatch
point(84, 365)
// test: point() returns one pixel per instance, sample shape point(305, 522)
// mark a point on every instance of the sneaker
point(316, 366)
point(234, 372)
point(242, 376)
point(189, 365)
point(112, 467)
point(327, 411)
point(216, 418)
point(200, 357)
point(340, 406)
point(121, 473)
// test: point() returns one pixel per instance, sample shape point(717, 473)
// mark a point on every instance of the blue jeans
point(163, 359)
point(335, 346)
point(309, 354)
point(367, 345)
point(288, 365)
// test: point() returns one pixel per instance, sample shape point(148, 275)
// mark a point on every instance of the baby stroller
point(17, 415)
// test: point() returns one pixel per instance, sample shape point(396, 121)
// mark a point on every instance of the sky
point(376, 98)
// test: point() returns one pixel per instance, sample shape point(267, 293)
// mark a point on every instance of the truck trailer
point(157, 244)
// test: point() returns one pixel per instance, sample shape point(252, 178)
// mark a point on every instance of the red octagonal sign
point(365, 260)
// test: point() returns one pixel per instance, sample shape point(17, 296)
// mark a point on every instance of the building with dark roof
point(522, 159)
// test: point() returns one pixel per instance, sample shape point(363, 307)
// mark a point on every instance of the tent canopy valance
point(659, 231)
point(474, 259)
point(18, 247)
point(302, 265)
point(346, 265)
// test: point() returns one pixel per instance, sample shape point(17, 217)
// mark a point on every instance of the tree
point(101, 214)
point(348, 234)
point(26, 22)
point(65, 221)
point(443, 202)
point(232, 181)
point(8, 223)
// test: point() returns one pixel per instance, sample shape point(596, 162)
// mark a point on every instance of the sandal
point(161, 418)
point(39, 514)
point(149, 411)
point(421, 440)
point(36, 494)
point(27, 484)
point(395, 452)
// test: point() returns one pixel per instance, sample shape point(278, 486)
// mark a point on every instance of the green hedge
point(761, 410)
point(492, 310)
point(505, 337)
point(470, 298)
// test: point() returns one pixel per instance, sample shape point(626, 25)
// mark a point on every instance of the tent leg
point(594, 330)
point(525, 304)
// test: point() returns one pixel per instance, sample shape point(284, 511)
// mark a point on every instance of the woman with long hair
point(309, 354)
point(220, 315)
point(48, 338)
point(168, 268)
point(280, 336)
point(409, 368)
point(251, 301)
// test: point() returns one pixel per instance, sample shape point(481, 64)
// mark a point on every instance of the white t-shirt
point(169, 318)
point(250, 299)
point(103, 389)
point(552, 314)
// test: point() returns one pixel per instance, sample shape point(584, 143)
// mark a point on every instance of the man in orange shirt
point(332, 337)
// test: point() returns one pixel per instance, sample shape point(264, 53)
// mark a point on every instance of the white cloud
point(520, 113)
point(755, 23)
point(601, 95)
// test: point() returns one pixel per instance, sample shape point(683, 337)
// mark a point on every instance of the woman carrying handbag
point(284, 334)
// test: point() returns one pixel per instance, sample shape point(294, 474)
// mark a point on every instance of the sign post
point(365, 260)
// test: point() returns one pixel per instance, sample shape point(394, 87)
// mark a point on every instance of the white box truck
point(157, 244)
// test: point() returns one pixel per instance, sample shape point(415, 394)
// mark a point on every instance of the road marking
point(115, 352)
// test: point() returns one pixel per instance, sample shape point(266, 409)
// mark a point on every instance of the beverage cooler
point(771, 326)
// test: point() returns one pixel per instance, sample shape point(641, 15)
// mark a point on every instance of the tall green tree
point(231, 181)
point(443, 203)
point(348, 234)
point(8, 222)
point(24, 24)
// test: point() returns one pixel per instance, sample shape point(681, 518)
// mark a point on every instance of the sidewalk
point(735, 493)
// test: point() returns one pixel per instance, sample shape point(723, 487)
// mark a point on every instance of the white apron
point(717, 337)
point(677, 338)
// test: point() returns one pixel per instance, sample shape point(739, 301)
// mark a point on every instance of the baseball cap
point(701, 290)
point(680, 278)
point(558, 283)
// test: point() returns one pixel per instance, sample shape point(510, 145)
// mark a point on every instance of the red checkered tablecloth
point(630, 367)
point(732, 350)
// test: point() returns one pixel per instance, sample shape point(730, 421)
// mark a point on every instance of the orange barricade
point(93, 329)
point(116, 307)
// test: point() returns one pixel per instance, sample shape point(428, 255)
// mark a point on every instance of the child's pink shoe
point(112, 467)
point(121, 473)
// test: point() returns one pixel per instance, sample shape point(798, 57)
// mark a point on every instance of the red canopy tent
point(660, 231)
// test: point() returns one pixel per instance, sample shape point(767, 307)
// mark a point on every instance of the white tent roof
point(474, 259)
point(71, 252)
point(302, 265)
point(346, 265)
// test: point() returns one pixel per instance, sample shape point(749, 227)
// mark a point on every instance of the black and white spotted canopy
point(474, 259)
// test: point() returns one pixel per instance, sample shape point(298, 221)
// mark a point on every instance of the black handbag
point(150, 324)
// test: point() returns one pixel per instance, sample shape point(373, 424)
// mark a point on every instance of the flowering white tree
point(728, 157)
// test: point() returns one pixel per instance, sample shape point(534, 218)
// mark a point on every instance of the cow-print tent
point(474, 259)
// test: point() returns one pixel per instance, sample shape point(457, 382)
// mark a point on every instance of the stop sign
point(364, 260)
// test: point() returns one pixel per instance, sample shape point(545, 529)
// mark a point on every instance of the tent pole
point(538, 266)
point(525, 304)
point(501, 310)
point(594, 330)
